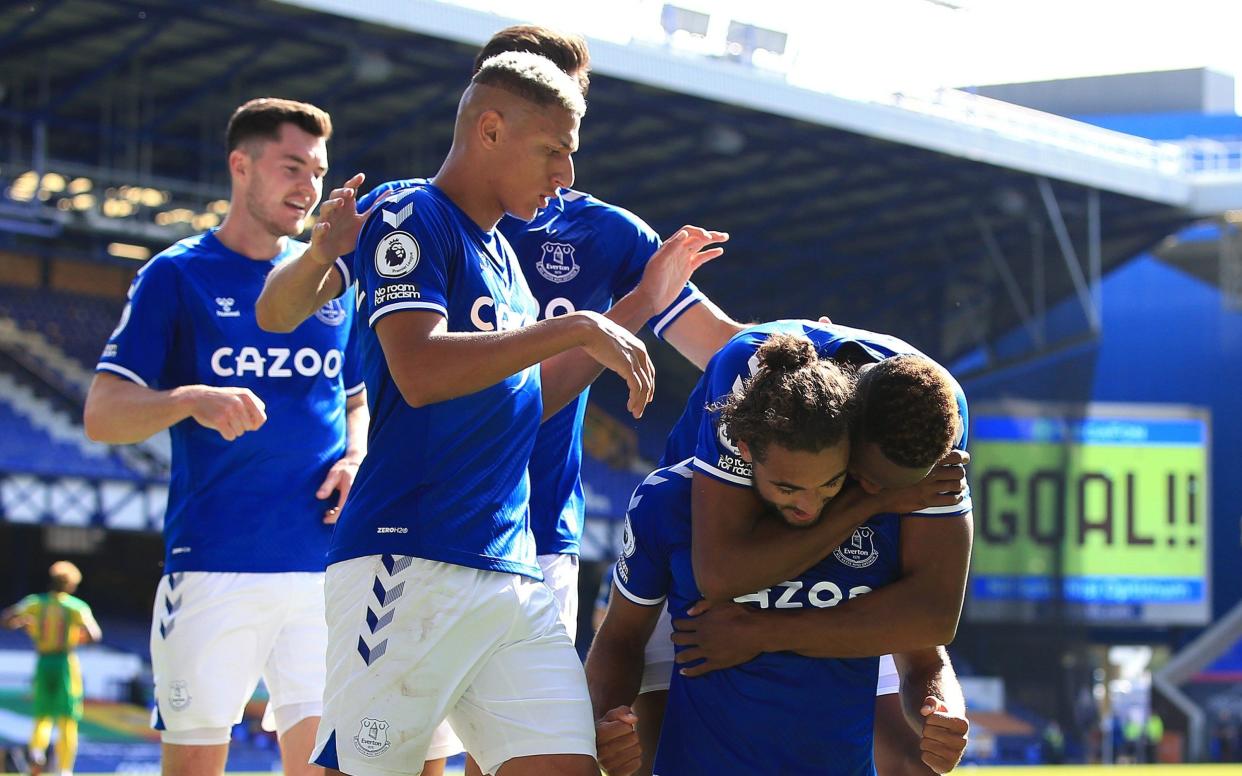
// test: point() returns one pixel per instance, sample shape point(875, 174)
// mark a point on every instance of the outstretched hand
point(677, 259)
point(339, 222)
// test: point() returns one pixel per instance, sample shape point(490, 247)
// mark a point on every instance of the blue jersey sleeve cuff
point(128, 374)
point(429, 306)
point(355, 390)
point(688, 298)
point(631, 596)
point(720, 474)
point(347, 279)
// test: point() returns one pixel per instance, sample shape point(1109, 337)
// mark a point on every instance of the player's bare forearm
point(431, 364)
point(614, 666)
point(294, 290)
point(91, 633)
point(918, 611)
point(738, 549)
point(701, 331)
point(614, 674)
point(120, 412)
point(897, 751)
point(928, 672)
point(11, 619)
point(934, 707)
point(568, 374)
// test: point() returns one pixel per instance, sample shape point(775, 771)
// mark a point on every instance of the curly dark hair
point(907, 406)
point(566, 49)
point(795, 399)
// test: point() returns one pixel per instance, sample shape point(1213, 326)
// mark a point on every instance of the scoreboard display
point(1094, 513)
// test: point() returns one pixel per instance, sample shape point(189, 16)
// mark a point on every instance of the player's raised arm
point(701, 331)
point(295, 289)
point(669, 269)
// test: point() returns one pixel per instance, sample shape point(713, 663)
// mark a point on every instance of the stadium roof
point(941, 222)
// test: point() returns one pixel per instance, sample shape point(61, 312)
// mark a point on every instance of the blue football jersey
point(248, 505)
point(577, 254)
point(698, 433)
point(781, 712)
point(447, 481)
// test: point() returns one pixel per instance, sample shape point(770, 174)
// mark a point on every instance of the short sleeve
point(715, 454)
point(27, 605)
point(345, 264)
point(402, 255)
point(642, 573)
point(633, 242)
point(138, 347)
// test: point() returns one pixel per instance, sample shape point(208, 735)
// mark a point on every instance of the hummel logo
point(226, 307)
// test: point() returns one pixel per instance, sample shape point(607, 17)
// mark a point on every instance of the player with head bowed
point(765, 713)
point(578, 253)
point(435, 602)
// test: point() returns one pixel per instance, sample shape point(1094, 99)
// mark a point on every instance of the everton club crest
point(859, 552)
point(372, 739)
point(557, 264)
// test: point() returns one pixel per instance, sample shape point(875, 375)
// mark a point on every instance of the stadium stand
point(1005, 241)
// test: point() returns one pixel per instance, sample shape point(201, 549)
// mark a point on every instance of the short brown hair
point(795, 399)
point(907, 405)
point(567, 51)
point(261, 118)
point(64, 576)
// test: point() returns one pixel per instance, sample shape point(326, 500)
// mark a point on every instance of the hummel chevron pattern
point(171, 606)
point(385, 598)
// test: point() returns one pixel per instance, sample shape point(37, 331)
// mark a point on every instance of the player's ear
point(491, 128)
point(239, 163)
point(744, 450)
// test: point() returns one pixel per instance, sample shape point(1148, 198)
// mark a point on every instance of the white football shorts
point(412, 642)
point(214, 634)
point(560, 574)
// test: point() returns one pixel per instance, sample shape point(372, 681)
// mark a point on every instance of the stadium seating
point(75, 327)
point(40, 439)
point(56, 339)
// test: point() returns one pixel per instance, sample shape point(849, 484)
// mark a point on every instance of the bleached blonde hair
point(533, 78)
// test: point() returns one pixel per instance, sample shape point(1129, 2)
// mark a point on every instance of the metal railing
point(1208, 156)
point(1037, 127)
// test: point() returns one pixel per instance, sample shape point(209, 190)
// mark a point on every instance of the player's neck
point(242, 234)
point(458, 181)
